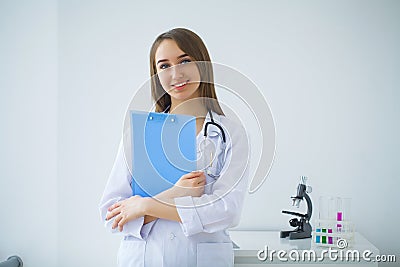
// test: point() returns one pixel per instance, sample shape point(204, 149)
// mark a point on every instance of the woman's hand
point(191, 184)
point(126, 210)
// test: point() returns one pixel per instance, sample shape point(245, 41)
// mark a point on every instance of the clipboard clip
point(155, 116)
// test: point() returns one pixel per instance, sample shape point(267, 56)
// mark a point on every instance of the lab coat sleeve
point(119, 188)
point(222, 208)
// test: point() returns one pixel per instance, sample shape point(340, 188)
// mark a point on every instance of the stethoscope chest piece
point(206, 154)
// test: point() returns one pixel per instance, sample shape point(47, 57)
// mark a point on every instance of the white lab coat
point(201, 239)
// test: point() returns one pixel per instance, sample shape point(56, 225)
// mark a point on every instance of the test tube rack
point(333, 228)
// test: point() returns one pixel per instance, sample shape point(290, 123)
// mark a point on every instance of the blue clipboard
point(163, 149)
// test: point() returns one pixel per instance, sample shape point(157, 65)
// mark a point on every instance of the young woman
point(186, 224)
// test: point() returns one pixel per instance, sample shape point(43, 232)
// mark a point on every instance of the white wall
point(28, 131)
point(330, 70)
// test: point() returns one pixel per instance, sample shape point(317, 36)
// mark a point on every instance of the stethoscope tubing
point(212, 122)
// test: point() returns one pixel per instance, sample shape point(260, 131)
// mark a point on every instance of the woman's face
point(178, 74)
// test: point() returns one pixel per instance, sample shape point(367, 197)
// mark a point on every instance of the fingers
point(116, 221)
point(113, 213)
point(121, 220)
point(194, 181)
point(115, 205)
point(199, 180)
point(192, 174)
point(122, 223)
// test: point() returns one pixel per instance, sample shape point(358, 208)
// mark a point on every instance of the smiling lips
point(180, 86)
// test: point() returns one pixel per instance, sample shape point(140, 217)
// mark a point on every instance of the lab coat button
point(171, 236)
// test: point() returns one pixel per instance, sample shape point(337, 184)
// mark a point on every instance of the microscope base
point(294, 234)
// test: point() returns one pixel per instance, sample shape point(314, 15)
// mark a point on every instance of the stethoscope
point(207, 163)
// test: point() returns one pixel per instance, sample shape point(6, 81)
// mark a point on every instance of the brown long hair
point(193, 46)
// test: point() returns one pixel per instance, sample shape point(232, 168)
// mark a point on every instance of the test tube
point(326, 216)
point(339, 215)
point(326, 208)
point(343, 213)
point(330, 238)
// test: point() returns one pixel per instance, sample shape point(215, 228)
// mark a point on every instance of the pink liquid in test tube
point(339, 219)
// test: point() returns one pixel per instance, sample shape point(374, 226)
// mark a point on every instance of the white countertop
point(251, 242)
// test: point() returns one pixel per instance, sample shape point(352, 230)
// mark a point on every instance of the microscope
point(303, 226)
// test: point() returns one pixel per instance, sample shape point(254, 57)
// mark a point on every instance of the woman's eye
point(185, 61)
point(164, 66)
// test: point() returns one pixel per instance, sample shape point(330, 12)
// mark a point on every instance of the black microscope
point(303, 225)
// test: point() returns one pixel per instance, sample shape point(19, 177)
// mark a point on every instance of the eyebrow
point(181, 56)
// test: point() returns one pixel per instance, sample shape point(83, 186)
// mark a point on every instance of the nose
point(176, 72)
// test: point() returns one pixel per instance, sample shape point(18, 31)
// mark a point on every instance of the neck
point(192, 107)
